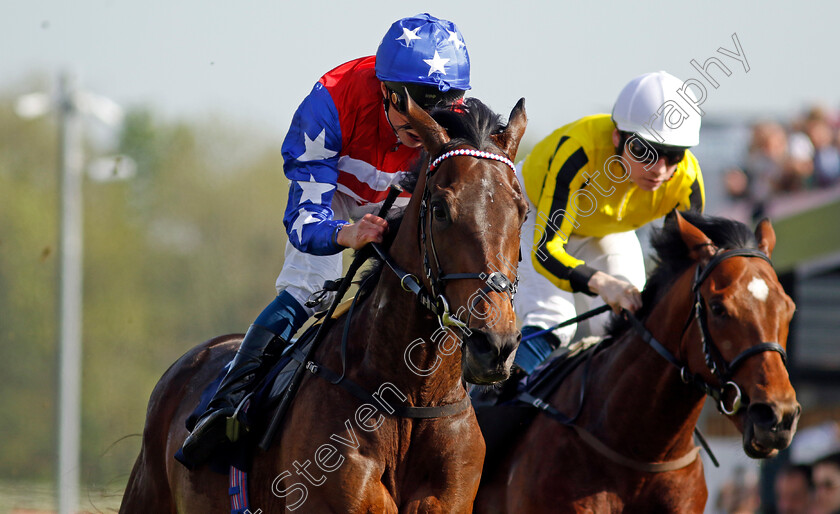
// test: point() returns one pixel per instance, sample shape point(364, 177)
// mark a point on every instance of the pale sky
point(253, 61)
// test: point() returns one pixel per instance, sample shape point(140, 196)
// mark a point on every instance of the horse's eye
point(717, 309)
point(439, 212)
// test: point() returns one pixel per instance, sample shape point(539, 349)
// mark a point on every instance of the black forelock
point(469, 123)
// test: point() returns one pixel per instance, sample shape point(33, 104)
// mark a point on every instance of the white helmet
point(651, 107)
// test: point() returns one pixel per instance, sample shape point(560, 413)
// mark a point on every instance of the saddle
point(258, 407)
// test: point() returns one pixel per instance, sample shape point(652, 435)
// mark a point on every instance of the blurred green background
point(185, 250)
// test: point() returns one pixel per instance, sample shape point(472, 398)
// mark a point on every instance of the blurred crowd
point(797, 488)
point(809, 489)
point(781, 159)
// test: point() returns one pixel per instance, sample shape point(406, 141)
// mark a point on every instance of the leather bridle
point(434, 298)
point(720, 368)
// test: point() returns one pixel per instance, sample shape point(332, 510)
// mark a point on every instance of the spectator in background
point(799, 165)
point(826, 474)
point(793, 489)
point(739, 495)
point(774, 163)
point(826, 155)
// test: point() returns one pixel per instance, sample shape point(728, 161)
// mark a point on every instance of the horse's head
point(470, 214)
point(741, 317)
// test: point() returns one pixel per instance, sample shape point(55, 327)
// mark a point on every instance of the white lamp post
point(70, 104)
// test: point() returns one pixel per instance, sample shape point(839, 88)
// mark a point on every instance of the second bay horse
point(720, 318)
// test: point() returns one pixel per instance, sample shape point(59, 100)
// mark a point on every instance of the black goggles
point(426, 97)
point(648, 153)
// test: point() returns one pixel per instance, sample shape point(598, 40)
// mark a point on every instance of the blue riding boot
point(269, 334)
point(533, 351)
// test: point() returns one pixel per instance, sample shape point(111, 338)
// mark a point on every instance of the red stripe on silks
point(232, 484)
point(244, 489)
point(238, 480)
point(362, 189)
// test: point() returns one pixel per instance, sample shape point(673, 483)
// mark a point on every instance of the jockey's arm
point(567, 168)
point(310, 161)
point(561, 169)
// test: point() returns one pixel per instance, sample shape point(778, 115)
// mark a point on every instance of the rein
point(721, 369)
point(723, 372)
point(495, 281)
point(436, 302)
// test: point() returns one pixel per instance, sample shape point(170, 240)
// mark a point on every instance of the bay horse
point(715, 320)
point(460, 235)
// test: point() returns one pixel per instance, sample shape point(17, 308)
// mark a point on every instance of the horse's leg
point(444, 465)
point(158, 483)
point(147, 490)
point(353, 490)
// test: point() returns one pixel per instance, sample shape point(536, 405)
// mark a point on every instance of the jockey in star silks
point(590, 185)
point(349, 141)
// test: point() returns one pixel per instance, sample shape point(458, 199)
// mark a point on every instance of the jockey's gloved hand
point(616, 293)
point(369, 229)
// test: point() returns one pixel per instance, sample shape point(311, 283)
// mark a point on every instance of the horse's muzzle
point(769, 427)
point(488, 356)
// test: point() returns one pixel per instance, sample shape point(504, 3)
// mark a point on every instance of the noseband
point(495, 280)
point(721, 369)
point(714, 359)
point(434, 300)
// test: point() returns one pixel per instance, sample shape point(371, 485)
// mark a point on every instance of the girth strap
point(606, 451)
point(650, 467)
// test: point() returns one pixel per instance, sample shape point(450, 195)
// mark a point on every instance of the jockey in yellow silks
point(590, 185)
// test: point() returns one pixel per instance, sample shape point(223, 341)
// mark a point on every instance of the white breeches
point(540, 303)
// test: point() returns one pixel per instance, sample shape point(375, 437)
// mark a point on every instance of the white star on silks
point(301, 221)
point(315, 148)
point(409, 35)
point(436, 63)
point(453, 36)
point(313, 191)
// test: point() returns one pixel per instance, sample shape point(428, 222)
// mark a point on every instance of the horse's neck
point(645, 405)
point(393, 319)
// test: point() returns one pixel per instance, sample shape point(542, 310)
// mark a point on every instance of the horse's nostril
point(506, 350)
point(480, 343)
point(763, 415)
point(789, 419)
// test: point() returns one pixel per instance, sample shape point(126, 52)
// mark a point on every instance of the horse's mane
point(672, 257)
point(469, 123)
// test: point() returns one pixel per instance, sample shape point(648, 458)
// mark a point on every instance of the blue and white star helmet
point(426, 54)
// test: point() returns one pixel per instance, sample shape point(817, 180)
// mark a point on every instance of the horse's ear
point(508, 141)
point(766, 237)
point(700, 247)
point(433, 135)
